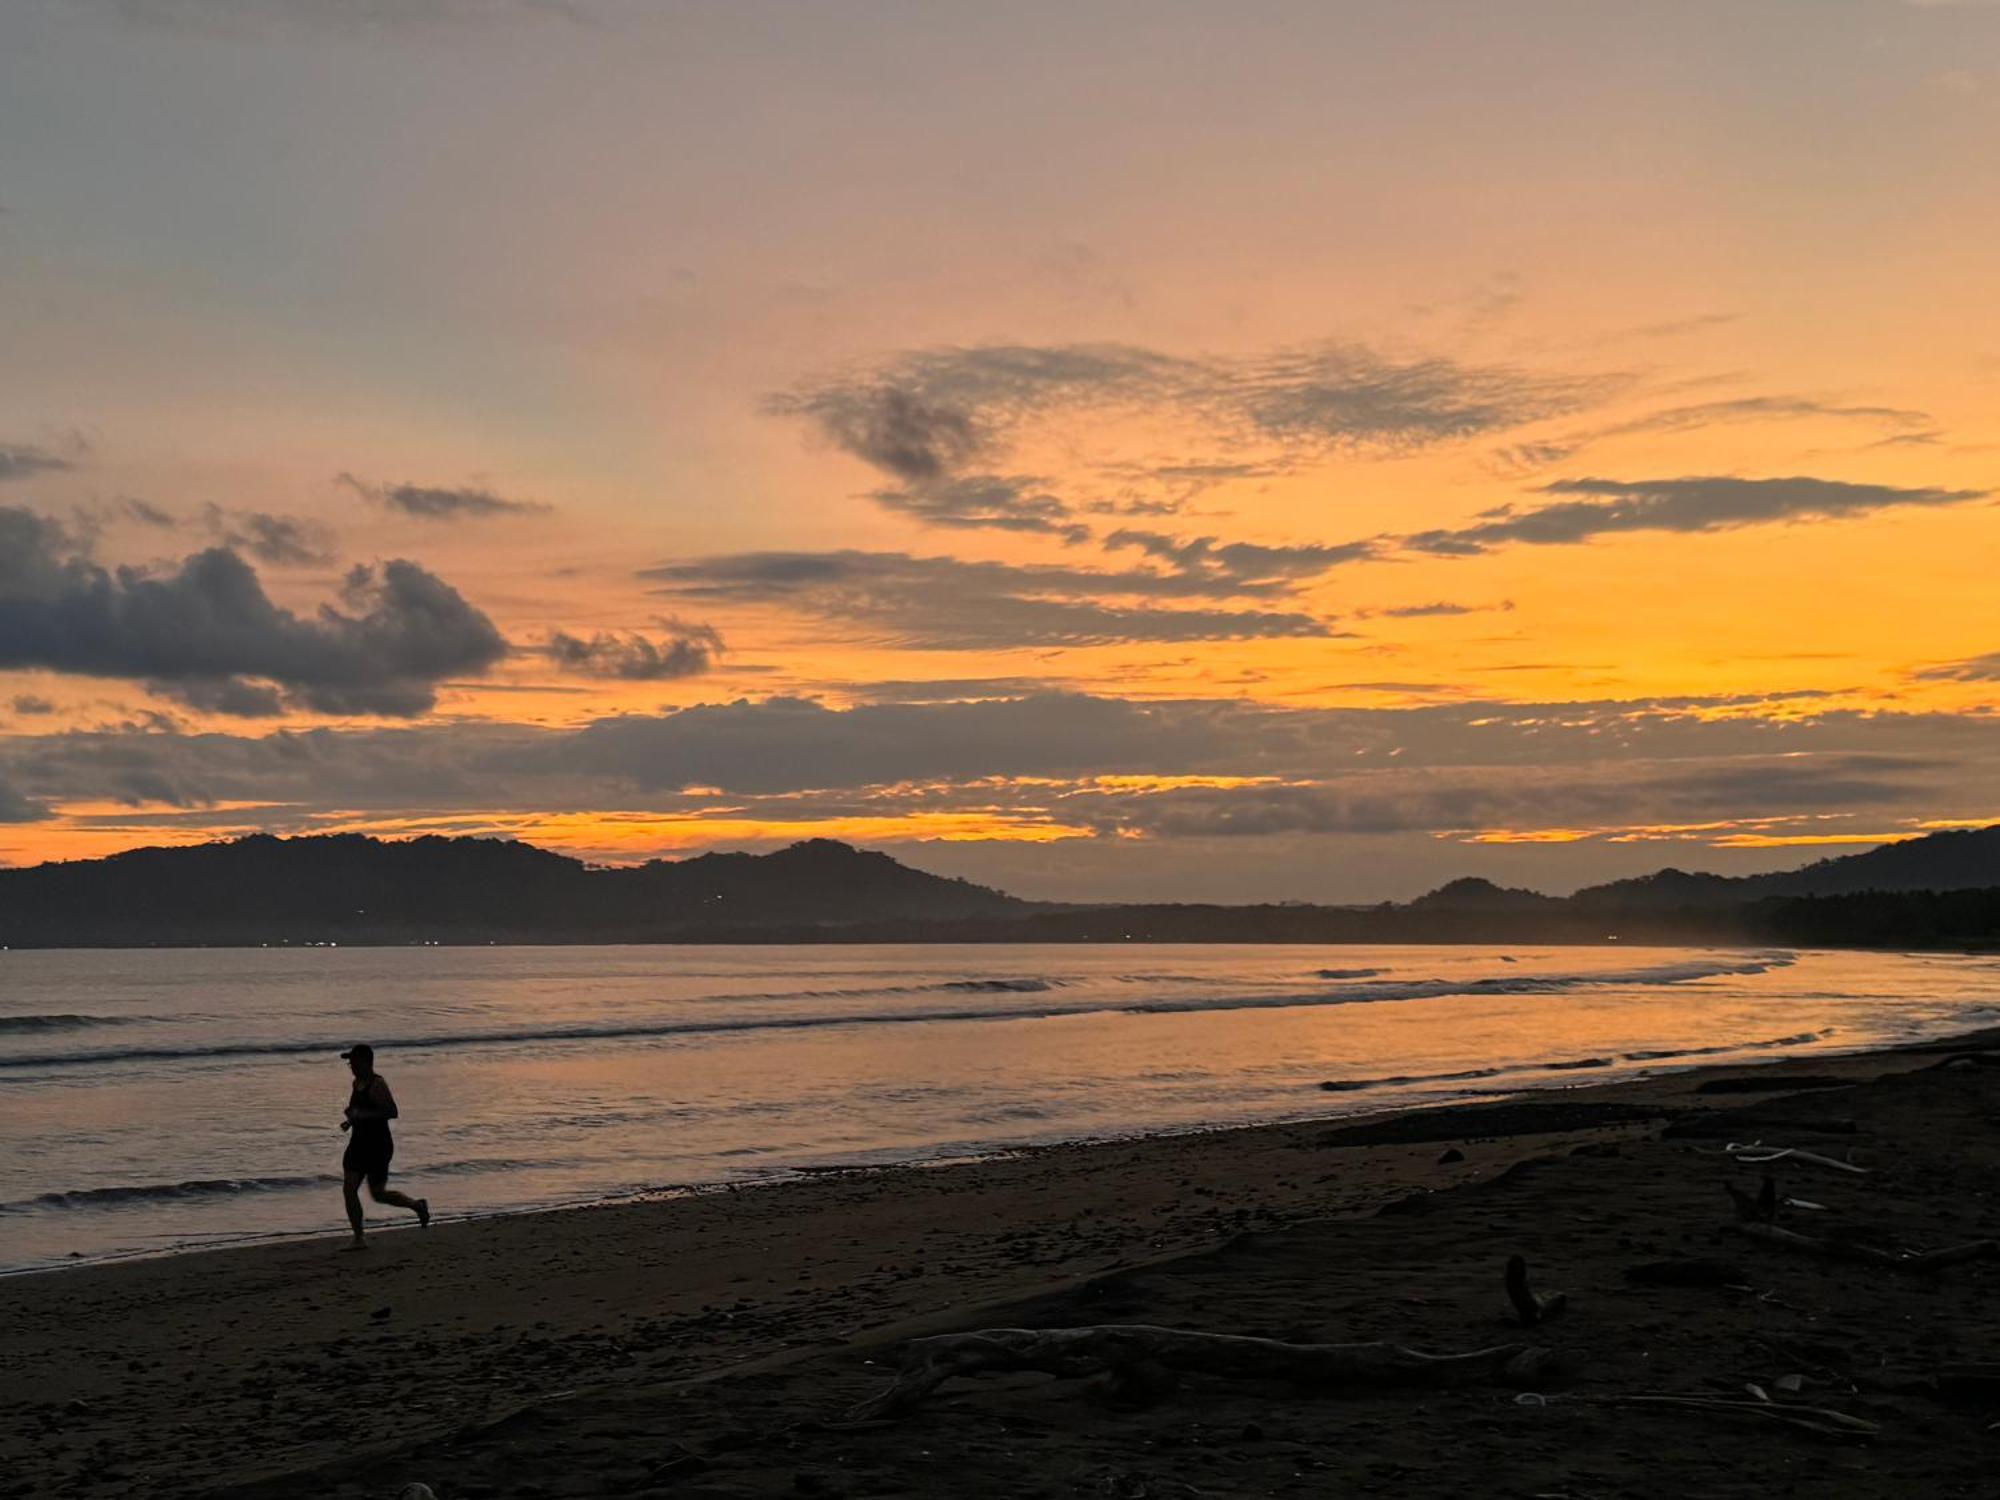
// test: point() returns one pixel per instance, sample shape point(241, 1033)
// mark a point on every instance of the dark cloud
point(206, 632)
point(1228, 773)
point(1240, 567)
point(437, 503)
point(1346, 396)
point(17, 808)
point(20, 461)
point(132, 508)
point(687, 650)
point(794, 744)
point(30, 705)
point(996, 502)
point(1435, 800)
point(946, 689)
point(942, 603)
point(1972, 669)
point(1692, 504)
point(1438, 609)
point(282, 541)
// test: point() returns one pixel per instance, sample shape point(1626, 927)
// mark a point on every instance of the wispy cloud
point(1690, 504)
point(684, 650)
point(22, 461)
point(441, 503)
point(944, 603)
point(935, 421)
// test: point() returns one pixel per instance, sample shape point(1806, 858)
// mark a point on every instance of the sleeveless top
point(366, 1134)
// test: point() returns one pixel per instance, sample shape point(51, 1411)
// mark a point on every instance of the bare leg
point(350, 1190)
point(421, 1207)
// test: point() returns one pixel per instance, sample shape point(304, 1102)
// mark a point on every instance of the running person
point(370, 1108)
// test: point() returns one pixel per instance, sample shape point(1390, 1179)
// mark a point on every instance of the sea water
point(171, 1099)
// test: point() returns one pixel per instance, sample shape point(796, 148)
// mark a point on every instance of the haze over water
point(160, 1100)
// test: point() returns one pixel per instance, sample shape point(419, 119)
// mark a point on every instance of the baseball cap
point(361, 1050)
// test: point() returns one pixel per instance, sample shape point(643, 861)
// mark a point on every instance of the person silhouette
point(370, 1108)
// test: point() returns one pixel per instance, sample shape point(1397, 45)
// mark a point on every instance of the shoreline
point(429, 1334)
point(794, 1176)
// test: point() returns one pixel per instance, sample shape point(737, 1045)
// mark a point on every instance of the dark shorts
point(369, 1158)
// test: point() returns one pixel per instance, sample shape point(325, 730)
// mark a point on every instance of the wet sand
point(709, 1345)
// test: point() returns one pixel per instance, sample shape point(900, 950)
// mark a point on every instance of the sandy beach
point(713, 1344)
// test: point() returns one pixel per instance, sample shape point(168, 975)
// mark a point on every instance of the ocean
point(164, 1100)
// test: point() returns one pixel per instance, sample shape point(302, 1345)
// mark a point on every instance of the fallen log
point(1756, 1153)
point(1074, 1353)
point(1868, 1255)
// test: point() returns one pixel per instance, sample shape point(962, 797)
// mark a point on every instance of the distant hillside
point(1941, 890)
point(1469, 893)
point(1959, 859)
point(349, 888)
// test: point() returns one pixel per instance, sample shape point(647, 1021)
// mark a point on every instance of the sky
point(1291, 449)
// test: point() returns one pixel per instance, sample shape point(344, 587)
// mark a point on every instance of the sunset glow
point(1190, 461)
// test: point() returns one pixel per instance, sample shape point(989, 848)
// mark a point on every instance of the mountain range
point(349, 888)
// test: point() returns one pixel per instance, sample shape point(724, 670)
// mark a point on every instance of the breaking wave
point(1681, 972)
point(64, 1022)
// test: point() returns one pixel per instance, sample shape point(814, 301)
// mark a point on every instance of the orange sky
point(1274, 450)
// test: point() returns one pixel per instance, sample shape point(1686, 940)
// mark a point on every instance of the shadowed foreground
point(1587, 1188)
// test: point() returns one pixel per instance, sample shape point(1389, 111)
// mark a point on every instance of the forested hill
point(1939, 890)
point(350, 888)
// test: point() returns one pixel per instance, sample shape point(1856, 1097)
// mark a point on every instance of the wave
point(1797, 1039)
point(1347, 973)
point(161, 1192)
point(224, 1187)
point(1569, 1065)
point(1028, 986)
point(1683, 972)
point(65, 1022)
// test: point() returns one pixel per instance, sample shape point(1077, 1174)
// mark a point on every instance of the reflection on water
point(155, 1099)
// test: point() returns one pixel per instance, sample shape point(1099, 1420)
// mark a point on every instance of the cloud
point(1240, 567)
point(31, 705)
point(1439, 609)
point(1443, 800)
point(18, 808)
point(205, 632)
point(398, 18)
point(20, 461)
point(946, 689)
point(1972, 669)
point(1903, 424)
point(934, 420)
point(688, 650)
point(1692, 504)
point(1192, 779)
point(998, 502)
point(282, 541)
point(943, 603)
point(434, 503)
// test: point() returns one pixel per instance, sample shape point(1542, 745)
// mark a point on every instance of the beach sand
point(710, 1345)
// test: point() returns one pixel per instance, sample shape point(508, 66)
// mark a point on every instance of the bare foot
point(423, 1213)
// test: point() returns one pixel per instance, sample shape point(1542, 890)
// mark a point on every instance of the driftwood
point(1078, 1352)
point(1869, 1255)
point(1815, 1419)
point(1756, 1153)
point(1529, 1306)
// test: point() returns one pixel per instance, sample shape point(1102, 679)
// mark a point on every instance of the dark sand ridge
point(729, 1326)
